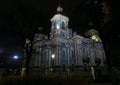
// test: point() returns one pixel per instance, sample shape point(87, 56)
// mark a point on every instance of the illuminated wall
point(69, 48)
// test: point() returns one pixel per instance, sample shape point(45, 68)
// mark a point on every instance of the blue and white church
point(65, 49)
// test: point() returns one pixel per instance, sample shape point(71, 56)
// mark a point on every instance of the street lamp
point(15, 57)
point(53, 56)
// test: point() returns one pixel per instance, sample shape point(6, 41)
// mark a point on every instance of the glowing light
point(15, 57)
point(94, 37)
point(97, 39)
point(58, 27)
point(53, 56)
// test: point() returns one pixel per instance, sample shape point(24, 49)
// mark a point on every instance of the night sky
point(20, 19)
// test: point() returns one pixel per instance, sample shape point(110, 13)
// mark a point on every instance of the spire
point(59, 8)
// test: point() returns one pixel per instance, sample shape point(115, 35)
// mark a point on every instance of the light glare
point(58, 27)
point(53, 56)
point(15, 57)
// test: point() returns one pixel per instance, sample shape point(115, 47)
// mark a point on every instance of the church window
point(63, 54)
point(73, 57)
point(63, 26)
point(72, 54)
point(45, 55)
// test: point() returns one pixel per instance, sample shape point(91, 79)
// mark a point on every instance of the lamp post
point(53, 56)
point(93, 72)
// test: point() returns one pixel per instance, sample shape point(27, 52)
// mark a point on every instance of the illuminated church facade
point(65, 49)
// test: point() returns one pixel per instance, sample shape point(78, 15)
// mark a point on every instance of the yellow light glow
point(97, 39)
point(94, 37)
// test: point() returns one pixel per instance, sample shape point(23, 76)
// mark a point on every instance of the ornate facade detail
point(69, 49)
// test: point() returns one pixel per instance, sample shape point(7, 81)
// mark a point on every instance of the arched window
point(63, 56)
point(45, 57)
point(45, 54)
point(63, 26)
point(72, 56)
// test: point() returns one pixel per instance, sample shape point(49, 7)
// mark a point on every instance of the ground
point(55, 79)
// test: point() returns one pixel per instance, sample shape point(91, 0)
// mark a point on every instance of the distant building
point(65, 49)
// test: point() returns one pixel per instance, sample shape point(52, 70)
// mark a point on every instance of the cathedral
point(64, 49)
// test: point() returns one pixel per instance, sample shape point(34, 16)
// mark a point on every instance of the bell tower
point(59, 25)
